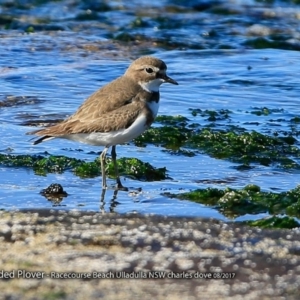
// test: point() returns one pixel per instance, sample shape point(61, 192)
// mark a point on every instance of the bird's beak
point(169, 79)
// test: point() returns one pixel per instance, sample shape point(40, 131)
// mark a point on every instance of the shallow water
point(55, 75)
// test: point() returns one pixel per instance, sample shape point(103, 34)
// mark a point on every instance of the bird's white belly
point(114, 137)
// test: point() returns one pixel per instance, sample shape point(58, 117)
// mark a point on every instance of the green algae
point(87, 16)
point(127, 37)
point(274, 222)
point(164, 22)
point(172, 135)
point(167, 136)
point(265, 111)
point(139, 23)
point(230, 142)
point(6, 20)
point(88, 169)
point(137, 169)
point(179, 152)
point(263, 43)
point(246, 147)
point(11, 160)
point(249, 200)
point(178, 120)
point(30, 29)
point(42, 165)
point(212, 115)
point(295, 120)
point(98, 6)
point(208, 196)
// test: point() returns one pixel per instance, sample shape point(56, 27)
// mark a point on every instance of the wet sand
point(44, 252)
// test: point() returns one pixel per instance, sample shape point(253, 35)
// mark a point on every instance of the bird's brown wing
point(110, 97)
point(120, 118)
point(102, 109)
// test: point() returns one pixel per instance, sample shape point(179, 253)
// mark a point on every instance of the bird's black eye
point(149, 70)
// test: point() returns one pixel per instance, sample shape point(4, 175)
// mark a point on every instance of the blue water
point(42, 66)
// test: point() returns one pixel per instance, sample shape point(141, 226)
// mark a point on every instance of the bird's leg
point(113, 202)
point(102, 201)
point(102, 160)
point(114, 159)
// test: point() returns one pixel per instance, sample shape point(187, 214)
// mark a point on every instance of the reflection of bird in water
point(113, 202)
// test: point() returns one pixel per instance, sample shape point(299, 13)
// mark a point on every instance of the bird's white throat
point(151, 86)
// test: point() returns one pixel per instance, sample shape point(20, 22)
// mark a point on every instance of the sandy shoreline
point(52, 254)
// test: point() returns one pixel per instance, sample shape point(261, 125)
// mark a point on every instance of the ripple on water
point(208, 80)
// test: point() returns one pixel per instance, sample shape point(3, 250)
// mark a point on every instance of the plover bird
point(116, 113)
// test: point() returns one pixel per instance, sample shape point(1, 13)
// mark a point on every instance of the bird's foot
point(120, 187)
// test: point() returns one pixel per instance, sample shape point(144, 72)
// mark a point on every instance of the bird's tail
point(43, 139)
